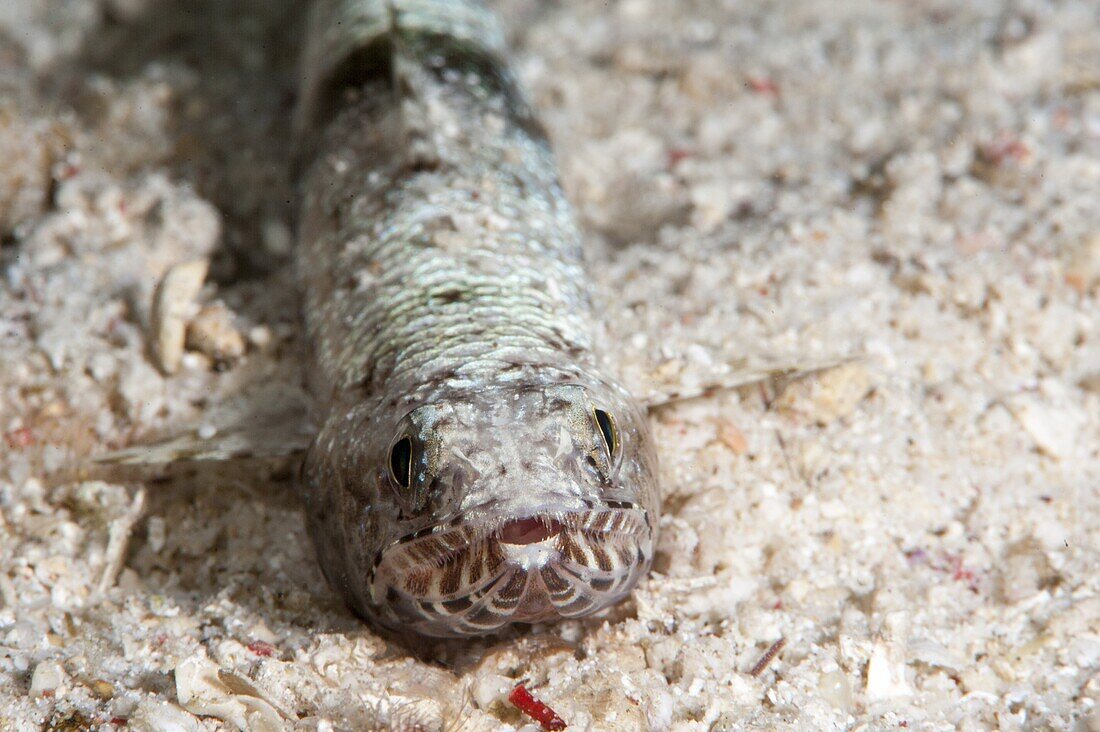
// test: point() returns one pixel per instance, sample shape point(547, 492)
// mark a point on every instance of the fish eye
point(401, 462)
point(609, 431)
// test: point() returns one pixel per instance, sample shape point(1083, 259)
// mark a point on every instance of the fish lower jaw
point(533, 556)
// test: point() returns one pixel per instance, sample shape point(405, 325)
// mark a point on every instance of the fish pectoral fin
point(276, 438)
point(770, 371)
point(233, 444)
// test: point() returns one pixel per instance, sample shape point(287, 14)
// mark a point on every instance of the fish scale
point(538, 241)
point(504, 296)
point(447, 310)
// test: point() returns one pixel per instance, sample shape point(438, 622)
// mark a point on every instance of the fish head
point(514, 504)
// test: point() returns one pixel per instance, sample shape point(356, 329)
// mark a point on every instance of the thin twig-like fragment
point(118, 538)
point(768, 657)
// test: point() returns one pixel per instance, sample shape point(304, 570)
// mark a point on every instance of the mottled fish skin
point(476, 465)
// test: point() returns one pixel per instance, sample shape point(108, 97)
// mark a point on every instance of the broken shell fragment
point(173, 304)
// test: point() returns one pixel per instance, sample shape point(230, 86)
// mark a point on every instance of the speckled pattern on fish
point(476, 464)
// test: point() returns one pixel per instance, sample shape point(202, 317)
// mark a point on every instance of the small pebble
point(156, 716)
point(1025, 571)
point(46, 679)
point(833, 687)
point(277, 237)
point(733, 438)
point(490, 688)
point(934, 654)
point(156, 532)
point(1083, 268)
point(980, 679)
point(102, 689)
point(259, 335)
point(1054, 429)
point(885, 674)
point(829, 395)
point(211, 333)
point(261, 632)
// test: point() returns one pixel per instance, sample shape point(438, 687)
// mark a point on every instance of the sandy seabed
point(913, 184)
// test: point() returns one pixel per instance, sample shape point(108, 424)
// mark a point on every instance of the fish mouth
point(531, 530)
point(457, 579)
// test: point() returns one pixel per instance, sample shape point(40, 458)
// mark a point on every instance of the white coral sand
point(912, 183)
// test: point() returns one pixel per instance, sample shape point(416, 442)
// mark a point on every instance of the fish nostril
point(528, 531)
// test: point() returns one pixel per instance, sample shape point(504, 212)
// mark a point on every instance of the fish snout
point(530, 568)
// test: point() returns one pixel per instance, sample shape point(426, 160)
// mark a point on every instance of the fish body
point(476, 464)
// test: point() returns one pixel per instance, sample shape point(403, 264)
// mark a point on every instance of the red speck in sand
point(260, 648)
point(535, 709)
